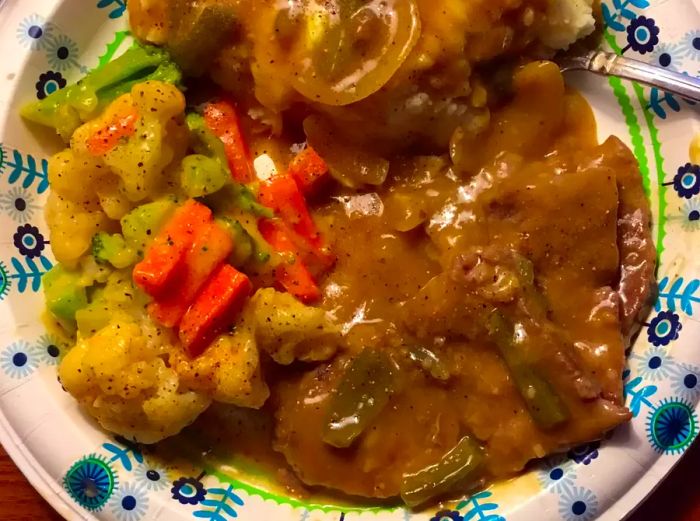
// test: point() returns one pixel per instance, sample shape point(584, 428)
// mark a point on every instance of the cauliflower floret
point(289, 330)
point(74, 176)
point(72, 226)
point(119, 375)
point(160, 139)
point(228, 371)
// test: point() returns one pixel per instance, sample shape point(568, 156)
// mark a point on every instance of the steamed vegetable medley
point(378, 243)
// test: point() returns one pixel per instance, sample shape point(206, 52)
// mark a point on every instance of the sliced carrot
point(222, 119)
point(164, 258)
point(277, 235)
point(122, 125)
point(309, 170)
point(216, 304)
point(211, 246)
point(297, 280)
point(163, 265)
point(318, 259)
point(282, 194)
point(292, 275)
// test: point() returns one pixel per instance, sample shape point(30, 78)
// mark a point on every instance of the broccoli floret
point(246, 247)
point(65, 109)
point(141, 224)
point(205, 142)
point(64, 294)
point(112, 249)
point(236, 196)
point(201, 175)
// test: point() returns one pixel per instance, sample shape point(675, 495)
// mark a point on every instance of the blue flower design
point(124, 452)
point(447, 515)
point(28, 273)
point(678, 293)
point(668, 56)
point(637, 394)
point(25, 169)
point(18, 204)
point(62, 54)
point(654, 364)
point(687, 181)
point(557, 473)
point(480, 506)
point(5, 281)
point(672, 426)
point(29, 241)
point(90, 482)
point(690, 215)
point(188, 491)
point(33, 32)
point(129, 502)
point(686, 382)
point(118, 7)
point(151, 476)
point(642, 35)
point(664, 328)
point(19, 360)
point(48, 83)
point(584, 453)
point(219, 504)
point(690, 44)
point(578, 504)
point(48, 350)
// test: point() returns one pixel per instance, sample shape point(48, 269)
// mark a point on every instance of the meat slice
point(637, 252)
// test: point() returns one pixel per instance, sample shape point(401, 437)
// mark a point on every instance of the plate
point(86, 474)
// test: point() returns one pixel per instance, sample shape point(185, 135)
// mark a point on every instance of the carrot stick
point(164, 258)
point(309, 170)
point(221, 298)
point(222, 119)
point(282, 194)
point(211, 246)
point(292, 275)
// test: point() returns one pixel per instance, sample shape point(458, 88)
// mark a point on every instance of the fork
point(609, 64)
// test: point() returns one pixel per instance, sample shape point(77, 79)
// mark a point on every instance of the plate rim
point(621, 508)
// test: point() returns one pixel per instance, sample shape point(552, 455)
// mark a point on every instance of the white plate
point(46, 42)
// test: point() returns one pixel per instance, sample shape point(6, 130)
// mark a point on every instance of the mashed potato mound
point(120, 377)
point(567, 22)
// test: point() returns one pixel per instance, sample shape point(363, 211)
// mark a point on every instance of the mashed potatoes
point(567, 22)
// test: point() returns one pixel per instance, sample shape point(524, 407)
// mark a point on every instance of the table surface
point(676, 499)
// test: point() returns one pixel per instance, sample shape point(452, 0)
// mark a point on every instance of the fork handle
point(609, 64)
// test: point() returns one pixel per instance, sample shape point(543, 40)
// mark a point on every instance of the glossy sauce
point(540, 186)
point(543, 189)
point(516, 211)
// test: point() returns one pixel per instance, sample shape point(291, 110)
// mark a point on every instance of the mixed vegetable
point(67, 108)
point(185, 272)
point(157, 216)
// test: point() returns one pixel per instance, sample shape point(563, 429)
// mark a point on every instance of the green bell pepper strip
point(459, 468)
point(364, 390)
point(543, 403)
point(429, 362)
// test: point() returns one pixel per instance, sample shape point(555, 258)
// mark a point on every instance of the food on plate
point(385, 229)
